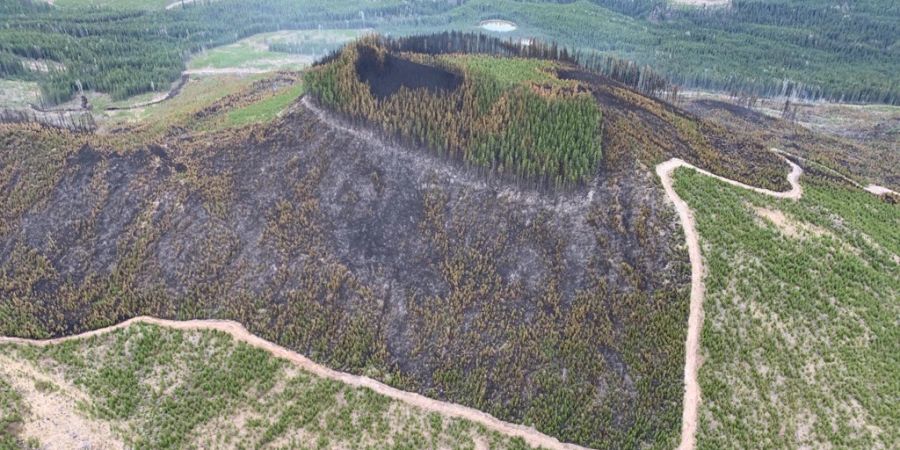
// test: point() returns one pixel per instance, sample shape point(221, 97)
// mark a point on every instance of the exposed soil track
point(695, 318)
point(239, 333)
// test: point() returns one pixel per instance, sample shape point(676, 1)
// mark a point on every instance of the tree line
point(548, 134)
point(640, 77)
point(125, 53)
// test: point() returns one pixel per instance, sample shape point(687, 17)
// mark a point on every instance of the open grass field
point(113, 4)
point(18, 94)
point(255, 53)
point(196, 94)
point(205, 104)
point(507, 71)
point(800, 343)
point(263, 110)
point(148, 386)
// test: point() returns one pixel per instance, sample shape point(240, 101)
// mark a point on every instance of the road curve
point(692, 357)
point(236, 330)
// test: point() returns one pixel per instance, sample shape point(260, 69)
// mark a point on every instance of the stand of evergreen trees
point(642, 78)
point(549, 135)
point(814, 49)
point(849, 48)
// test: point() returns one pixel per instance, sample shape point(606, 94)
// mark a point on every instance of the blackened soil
point(656, 131)
point(370, 258)
point(388, 75)
point(871, 158)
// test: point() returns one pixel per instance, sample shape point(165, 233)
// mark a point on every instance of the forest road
point(531, 436)
point(693, 359)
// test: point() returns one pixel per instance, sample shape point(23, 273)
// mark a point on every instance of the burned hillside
point(385, 74)
point(533, 306)
point(559, 304)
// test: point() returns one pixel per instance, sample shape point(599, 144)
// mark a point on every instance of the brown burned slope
point(871, 157)
point(565, 309)
point(652, 130)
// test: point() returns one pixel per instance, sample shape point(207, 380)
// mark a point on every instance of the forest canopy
point(813, 49)
point(504, 115)
point(125, 53)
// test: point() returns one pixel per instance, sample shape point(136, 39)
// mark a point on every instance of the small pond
point(498, 25)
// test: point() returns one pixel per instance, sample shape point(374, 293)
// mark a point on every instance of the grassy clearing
point(300, 48)
point(264, 110)
point(800, 343)
point(18, 94)
point(247, 103)
point(243, 55)
point(196, 95)
point(307, 42)
point(507, 71)
point(162, 388)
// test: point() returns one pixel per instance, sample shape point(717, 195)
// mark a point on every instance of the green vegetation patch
point(800, 341)
point(508, 72)
point(11, 408)
point(19, 94)
point(206, 104)
point(164, 388)
point(247, 56)
point(114, 4)
point(508, 116)
point(264, 110)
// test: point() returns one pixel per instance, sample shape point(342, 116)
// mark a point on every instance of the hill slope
point(182, 384)
point(562, 306)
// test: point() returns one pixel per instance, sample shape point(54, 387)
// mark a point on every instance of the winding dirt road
point(693, 358)
point(236, 330)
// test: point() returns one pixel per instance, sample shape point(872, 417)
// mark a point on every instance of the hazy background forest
point(810, 48)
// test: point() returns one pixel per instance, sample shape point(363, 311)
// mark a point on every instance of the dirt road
point(236, 330)
point(693, 360)
point(880, 190)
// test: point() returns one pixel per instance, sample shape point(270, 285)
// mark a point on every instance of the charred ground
point(562, 308)
point(386, 74)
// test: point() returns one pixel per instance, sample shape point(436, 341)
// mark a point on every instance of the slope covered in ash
point(562, 310)
point(560, 307)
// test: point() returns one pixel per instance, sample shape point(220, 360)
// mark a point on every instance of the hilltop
point(473, 220)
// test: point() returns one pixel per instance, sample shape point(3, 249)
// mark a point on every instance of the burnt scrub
point(370, 258)
point(385, 74)
point(564, 309)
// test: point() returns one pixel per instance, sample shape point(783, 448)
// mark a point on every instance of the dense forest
point(508, 117)
point(809, 48)
point(117, 52)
